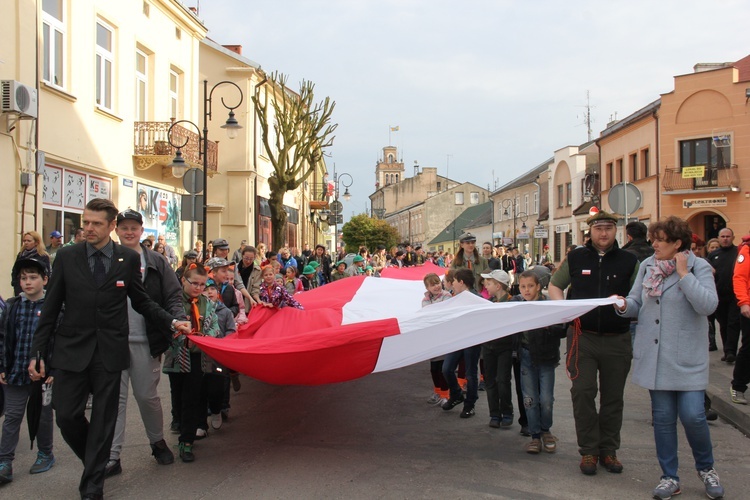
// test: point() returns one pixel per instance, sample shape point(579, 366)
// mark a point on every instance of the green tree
point(295, 131)
point(363, 230)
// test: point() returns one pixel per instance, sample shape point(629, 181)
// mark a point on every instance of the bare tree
point(302, 130)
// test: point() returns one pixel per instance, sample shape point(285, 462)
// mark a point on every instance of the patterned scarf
point(663, 270)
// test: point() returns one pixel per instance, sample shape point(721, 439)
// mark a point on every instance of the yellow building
point(103, 67)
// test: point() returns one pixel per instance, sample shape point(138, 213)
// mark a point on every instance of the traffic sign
point(336, 207)
point(193, 181)
point(624, 198)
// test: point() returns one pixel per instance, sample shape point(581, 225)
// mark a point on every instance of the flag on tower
point(394, 129)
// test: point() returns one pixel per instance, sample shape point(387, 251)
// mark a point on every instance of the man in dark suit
point(93, 281)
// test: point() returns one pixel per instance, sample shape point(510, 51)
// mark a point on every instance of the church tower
point(388, 170)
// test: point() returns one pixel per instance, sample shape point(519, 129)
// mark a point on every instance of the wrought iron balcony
point(151, 146)
point(714, 177)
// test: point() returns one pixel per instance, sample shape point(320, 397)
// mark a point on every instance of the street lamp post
point(509, 207)
point(232, 127)
point(340, 178)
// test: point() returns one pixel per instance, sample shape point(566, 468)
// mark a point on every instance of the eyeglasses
point(196, 285)
point(147, 243)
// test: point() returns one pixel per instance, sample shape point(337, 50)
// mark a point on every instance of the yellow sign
point(693, 172)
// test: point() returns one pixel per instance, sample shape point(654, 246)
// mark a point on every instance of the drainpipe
point(658, 168)
point(255, 164)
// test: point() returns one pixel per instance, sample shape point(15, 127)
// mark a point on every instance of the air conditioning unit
point(18, 98)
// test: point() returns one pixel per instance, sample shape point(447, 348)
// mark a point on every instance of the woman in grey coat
point(672, 296)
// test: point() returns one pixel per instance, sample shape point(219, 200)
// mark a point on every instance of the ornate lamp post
point(511, 209)
point(179, 166)
point(345, 180)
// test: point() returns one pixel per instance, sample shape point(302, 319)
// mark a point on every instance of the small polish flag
point(120, 283)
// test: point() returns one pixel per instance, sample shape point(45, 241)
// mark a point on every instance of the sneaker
point(534, 447)
point(611, 463)
point(525, 431)
point(440, 403)
point(453, 402)
point(507, 421)
point(216, 420)
point(162, 453)
point(666, 489)
point(112, 468)
point(43, 463)
point(711, 481)
point(588, 464)
point(495, 422)
point(738, 397)
point(6, 472)
point(236, 384)
point(711, 415)
point(433, 400)
point(201, 433)
point(186, 452)
point(467, 412)
point(549, 441)
point(174, 427)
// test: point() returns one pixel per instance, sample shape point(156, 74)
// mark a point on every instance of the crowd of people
point(115, 316)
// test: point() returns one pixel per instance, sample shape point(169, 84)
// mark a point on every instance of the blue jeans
point(665, 407)
point(538, 386)
point(471, 359)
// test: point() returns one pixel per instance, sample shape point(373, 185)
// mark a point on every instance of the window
point(536, 202)
point(560, 196)
point(474, 198)
point(620, 171)
point(438, 186)
point(705, 152)
point(174, 94)
point(396, 178)
point(526, 204)
point(634, 167)
point(610, 174)
point(569, 193)
point(646, 163)
point(459, 197)
point(390, 158)
point(141, 85)
point(104, 63)
point(53, 39)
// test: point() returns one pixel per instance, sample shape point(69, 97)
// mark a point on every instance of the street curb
point(718, 391)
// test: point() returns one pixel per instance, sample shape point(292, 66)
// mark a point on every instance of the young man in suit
point(90, 351)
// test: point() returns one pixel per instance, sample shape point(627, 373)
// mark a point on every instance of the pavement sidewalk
point(719, 382)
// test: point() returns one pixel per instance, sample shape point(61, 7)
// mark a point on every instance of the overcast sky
point(497, 85)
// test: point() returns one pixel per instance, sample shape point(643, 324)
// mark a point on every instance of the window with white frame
point(526, 204)
point(536, 202)
point(104, 64)
point(459, 197)
point(53, 40)
point(174, 94)
point(474, 198)
point(141, 85)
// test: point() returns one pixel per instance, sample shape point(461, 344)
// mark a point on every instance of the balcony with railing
point(710, 178)
point(320, 195)
point(151, 147)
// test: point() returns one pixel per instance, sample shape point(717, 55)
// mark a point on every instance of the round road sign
point(624, 198)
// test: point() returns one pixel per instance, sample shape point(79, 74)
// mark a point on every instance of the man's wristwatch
point(172, 326)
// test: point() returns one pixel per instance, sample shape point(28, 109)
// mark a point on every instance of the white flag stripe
point(468, 320)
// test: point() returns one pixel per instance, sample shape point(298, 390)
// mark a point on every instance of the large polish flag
point(362, 325)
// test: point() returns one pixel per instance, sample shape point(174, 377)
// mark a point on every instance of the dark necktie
point(100, 273)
